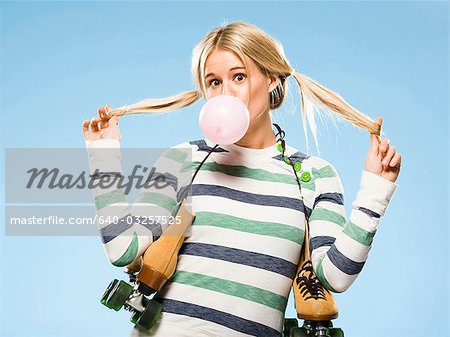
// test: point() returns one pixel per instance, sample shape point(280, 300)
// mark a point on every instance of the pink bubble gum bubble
point(224, 119)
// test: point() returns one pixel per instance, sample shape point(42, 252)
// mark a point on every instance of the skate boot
point(149, 273)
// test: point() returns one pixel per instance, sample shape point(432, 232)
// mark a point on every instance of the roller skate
point(314, 303)
point(148, 274)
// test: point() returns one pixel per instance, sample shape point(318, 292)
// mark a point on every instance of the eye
point(241, 75)
point(210, 83)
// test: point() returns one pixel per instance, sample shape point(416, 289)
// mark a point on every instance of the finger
point(384, 146)
point(396, 161)
point(375, 139)
point(104, 118)
point(374, 143)
point(94, 124)
point(389, 155)
point(103, 114)
point(100, 110)
point(85, 129)
point(108, 108)
point(103, 124)
point(379, 121)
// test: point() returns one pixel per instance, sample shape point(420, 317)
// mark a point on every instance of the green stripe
point(327, 215)
point(232, 288)
point(322, 277)
point(246, 172)
point(324, 172)
point(192, 166)
point(359, 234)
point(250, 173)
point(273, 229)
point(109, 198)
point(158, 199)
point(177, 155)
point(129, 255)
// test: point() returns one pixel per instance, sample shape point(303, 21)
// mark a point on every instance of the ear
point(273, 81)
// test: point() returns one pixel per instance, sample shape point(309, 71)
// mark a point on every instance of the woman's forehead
point(224, 60)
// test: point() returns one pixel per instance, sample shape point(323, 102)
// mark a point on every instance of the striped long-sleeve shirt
point(236, 267)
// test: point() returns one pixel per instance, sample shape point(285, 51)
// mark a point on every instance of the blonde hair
point(245, 39)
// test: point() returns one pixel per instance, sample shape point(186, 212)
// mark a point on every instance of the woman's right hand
point(102, 127)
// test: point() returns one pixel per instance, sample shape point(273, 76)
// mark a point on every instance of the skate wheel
point(107, 292)
point(336, 332)
point(134, 318)
point(149, 315)
point(298, 332)
point(289, 323)
point(118, 295)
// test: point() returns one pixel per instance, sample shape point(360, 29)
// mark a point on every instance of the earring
point(272, 98)
point(275, 95)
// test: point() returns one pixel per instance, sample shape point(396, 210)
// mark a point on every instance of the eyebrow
point(234, 68)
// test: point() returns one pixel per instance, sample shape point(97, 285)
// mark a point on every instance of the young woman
point(236, 268)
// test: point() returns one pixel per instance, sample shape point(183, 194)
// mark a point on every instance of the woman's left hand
point(382, 158)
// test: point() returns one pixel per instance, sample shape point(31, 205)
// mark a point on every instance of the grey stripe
point(297, 156)
point(369, 212)
point(257, 260)
point(183, 192)
point(249, 198)
point(308, 212)
point(113, 230)
point(167, 178)
point(279, 157)
point(343, 263)
point(202, 146)
point(320, 241)
point(335, 198)
point(212, 315)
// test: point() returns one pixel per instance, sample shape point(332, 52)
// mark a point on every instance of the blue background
point(61, 60)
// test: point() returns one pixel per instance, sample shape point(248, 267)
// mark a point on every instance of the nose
point(227, 89)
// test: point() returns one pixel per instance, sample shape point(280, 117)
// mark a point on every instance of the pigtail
point(158, 105)
point(315, 99)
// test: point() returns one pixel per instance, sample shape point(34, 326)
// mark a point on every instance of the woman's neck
point(260, 134)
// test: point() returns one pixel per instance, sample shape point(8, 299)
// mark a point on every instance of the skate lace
point(308, 283)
